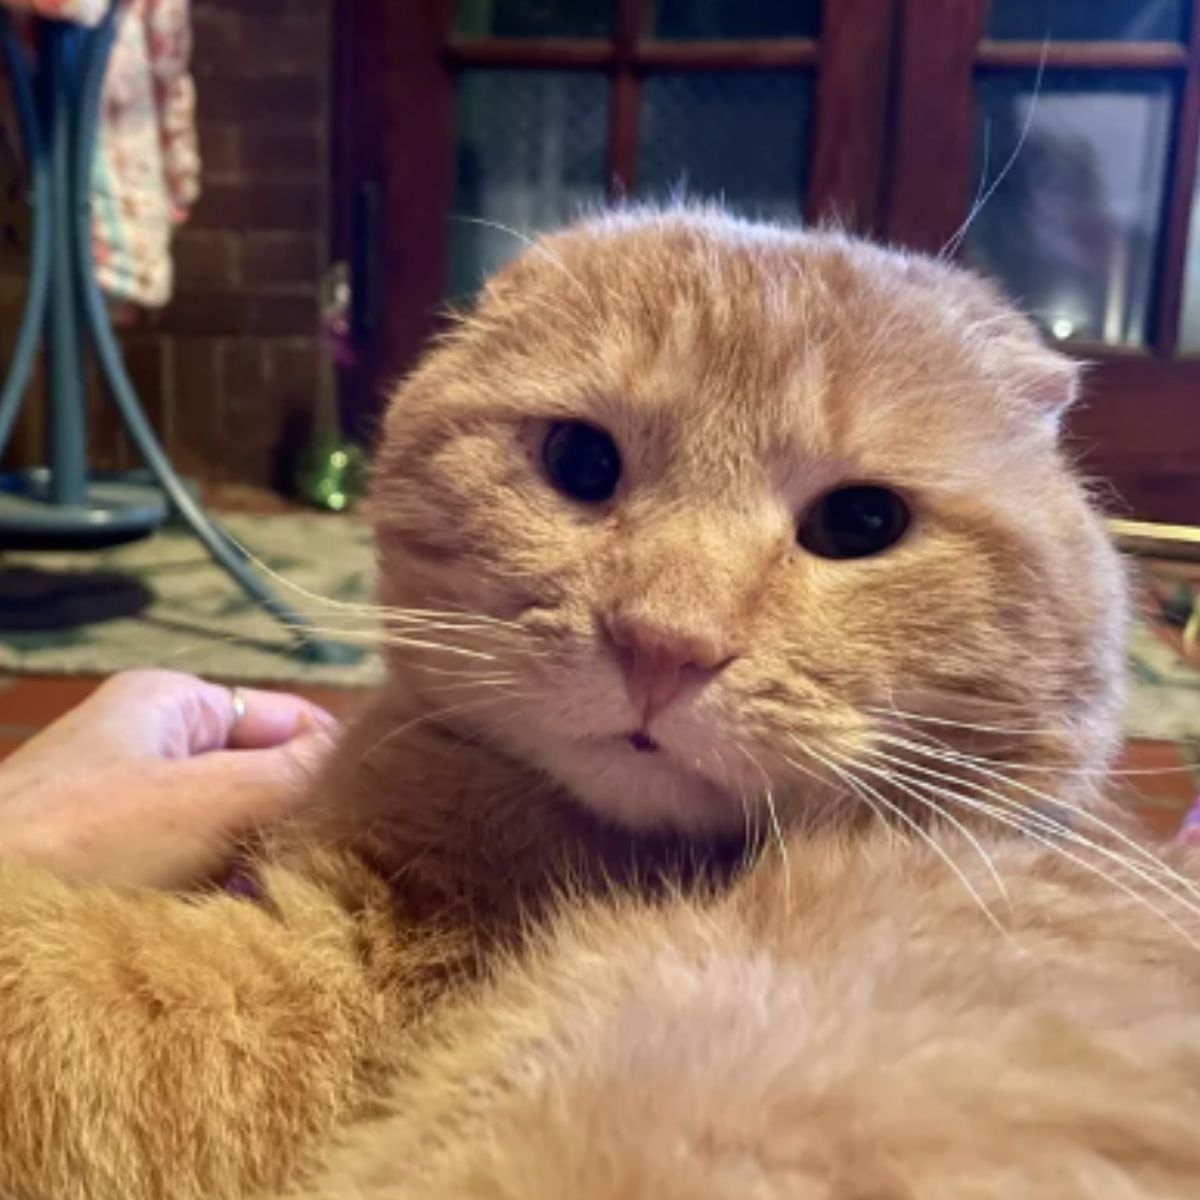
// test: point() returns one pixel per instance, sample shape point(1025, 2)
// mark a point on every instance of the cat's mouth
point(642, 742)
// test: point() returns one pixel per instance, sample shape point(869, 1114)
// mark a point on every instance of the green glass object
point(332, 473)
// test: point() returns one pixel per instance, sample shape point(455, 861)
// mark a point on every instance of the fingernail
point(323, 719)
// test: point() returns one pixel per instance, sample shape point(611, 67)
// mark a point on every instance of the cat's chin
point(633, 781)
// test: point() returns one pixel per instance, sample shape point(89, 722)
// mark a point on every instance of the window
point(1072, 126)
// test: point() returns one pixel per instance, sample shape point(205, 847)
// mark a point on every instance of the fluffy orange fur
point(863, 925)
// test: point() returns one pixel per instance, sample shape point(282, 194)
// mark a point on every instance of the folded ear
point(1042, 378)
point(1016, 358)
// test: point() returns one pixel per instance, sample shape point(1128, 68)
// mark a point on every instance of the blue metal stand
point(62, 505)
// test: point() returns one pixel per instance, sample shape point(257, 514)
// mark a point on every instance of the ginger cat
point(732, 823)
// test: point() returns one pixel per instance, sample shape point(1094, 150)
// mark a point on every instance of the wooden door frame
point(394, 122)
point(392, 129)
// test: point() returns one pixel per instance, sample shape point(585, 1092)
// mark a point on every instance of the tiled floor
point(1161, 779)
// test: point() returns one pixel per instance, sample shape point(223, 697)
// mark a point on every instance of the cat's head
point(742, 507)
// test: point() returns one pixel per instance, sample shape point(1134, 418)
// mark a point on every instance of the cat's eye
point(854, 522)
point(581, 461)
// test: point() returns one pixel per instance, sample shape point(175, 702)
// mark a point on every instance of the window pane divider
point(640, 55)
point(561, 53)
point(1101, 56)
point(625, 100)
point(1181, 184)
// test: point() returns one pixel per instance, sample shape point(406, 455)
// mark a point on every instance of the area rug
point(1164, 676)
point(161, 602)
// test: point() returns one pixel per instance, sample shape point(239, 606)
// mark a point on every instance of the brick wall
point(230, 372)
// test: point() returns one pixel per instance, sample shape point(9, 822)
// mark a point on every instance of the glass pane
point(533, 18)
point(1070, 221)
point(737, 136)
point(734, 18)
point(1189, 327)
point(1088, 20)
point(530, 152)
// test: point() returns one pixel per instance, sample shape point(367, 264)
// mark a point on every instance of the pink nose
point(659, 659)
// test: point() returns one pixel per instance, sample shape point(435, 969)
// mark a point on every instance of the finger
point(213, 719)
point(266, 719)
point(233, 790)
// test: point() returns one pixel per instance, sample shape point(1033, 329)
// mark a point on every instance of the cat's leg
point(153, 1048)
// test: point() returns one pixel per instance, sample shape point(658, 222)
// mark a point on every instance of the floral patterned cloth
point(84, 12)
point(147, 170)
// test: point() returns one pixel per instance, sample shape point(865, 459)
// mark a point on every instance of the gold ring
point(237, 699)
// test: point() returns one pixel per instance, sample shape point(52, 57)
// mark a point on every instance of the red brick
point(218, 39)
point(205, 261)
point(220, 151)
point(295, 371)
point(211, 314)
point(269, 101)
point(232, 314)
point(290, 43)
point(296, 43)
point(258, 205)
point(245, 369)
point(277, 260)
point(253, 426)
point(283, 315)
point(196, 386)
point(146, 364)
point(106, 446)
point(286, 155)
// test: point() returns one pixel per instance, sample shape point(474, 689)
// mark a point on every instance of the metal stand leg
point(214, 539)
point(33, 318)
point(63, 287)
point(66, 430)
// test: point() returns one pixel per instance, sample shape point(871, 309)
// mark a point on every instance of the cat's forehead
point(774, 338)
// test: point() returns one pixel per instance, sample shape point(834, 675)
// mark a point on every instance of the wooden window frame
point(413, 47)
point(892, 147)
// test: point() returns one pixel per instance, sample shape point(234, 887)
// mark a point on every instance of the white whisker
point(904, 719)
point(1004, 818)
point(426, 718)
point(967, 763)
point(976, 845)
point(956, 239)
point(858, 785)
point(772, 815)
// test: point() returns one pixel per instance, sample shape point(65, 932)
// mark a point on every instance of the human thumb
point(247, 788)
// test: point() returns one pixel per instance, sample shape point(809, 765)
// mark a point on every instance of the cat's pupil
point(581, 461)
point(854, 522)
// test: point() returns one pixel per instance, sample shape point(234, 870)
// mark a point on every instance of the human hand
point(150, 780)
